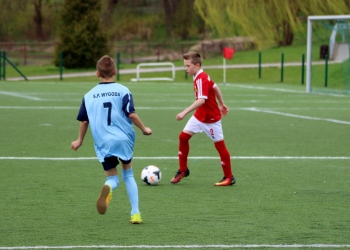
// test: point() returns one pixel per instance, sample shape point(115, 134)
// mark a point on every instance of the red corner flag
point(228, 53)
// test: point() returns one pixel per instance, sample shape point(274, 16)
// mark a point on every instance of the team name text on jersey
point(105, 94)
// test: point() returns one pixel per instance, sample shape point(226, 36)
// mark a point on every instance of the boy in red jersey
point(207, 118)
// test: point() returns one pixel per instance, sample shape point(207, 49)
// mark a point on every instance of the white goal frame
point(310, 19)
point(163, 69)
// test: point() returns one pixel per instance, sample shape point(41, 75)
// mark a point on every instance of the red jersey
point(209, 112)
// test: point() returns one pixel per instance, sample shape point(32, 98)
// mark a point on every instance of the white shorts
point(213, 130)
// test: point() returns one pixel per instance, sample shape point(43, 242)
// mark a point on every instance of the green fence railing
point(3, 60)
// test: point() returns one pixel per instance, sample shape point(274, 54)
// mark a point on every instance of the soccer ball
point(151, 175)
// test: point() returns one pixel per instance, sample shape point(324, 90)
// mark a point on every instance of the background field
point(290, 155)
point(244, 69)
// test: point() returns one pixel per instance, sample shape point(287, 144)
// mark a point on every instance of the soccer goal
point(155, 67)
point(327, 60)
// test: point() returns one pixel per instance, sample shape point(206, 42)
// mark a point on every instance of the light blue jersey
point(107, 107)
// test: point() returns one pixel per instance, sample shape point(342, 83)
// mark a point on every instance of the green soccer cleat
point(104, 199)
point(136, 219)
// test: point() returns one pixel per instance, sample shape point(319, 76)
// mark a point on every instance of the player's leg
point(112, 182)
point(214, 132)
point(184, 148)
point(132, 190)
point(225, 158)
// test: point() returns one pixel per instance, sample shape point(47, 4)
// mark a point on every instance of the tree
point(168, 16)
point(265, 20)
point(10, 27)
point(81, 38)
point(38, 19)
point(108, 12)
point(34, 19)
point(183, 16)
point(180, 18)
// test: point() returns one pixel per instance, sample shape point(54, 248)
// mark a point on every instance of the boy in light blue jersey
point(109, 109)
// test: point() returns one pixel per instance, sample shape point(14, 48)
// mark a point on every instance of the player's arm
point(84, 124)
point(129, 110)
point(223, 108)
point(199, 102)
point(82, 131)
point(138, 123)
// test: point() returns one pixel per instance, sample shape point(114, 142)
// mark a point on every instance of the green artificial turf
point(290, 156)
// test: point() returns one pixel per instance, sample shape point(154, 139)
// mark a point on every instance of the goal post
point(155, 67)
point(330, 27)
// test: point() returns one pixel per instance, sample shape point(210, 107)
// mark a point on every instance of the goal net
point(328, 64)
point(155, 72)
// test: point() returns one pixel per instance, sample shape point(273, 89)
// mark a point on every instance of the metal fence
point(42, 53)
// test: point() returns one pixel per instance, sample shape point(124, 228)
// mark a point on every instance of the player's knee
point(126, 174)
point(183, 137)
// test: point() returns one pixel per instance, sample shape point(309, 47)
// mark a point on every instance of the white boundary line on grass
point(179, 108)
point(181, 246)
point(282, 90)
point(248, 109)
point(19, 95)
point(190, 158)
point(298, 116)
point(265, 88)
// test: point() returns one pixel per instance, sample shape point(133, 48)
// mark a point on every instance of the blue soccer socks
point(112, 181)
point(132, 190)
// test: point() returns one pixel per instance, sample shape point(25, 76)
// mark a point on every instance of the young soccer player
point(109, 109)
point(207, 118)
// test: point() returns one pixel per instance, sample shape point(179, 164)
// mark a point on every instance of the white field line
point(182, 246)
point(229, 100)
point(179, 108)
point(266, 88)
point(298, 116)
point(77, 107)
point(176, 158)
point(19, 95)
point(248, 109)
point(283, 90)
point(38, 107)
point(228, 84)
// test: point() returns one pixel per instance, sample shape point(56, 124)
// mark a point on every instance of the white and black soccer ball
point(151, 175)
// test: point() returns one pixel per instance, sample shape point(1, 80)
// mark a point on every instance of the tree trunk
point(287, 35)
point(38, 19)
point(168, 17)
point(107, 15)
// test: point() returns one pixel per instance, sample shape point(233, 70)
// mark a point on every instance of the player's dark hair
point(106, 67)
point(195, 57)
